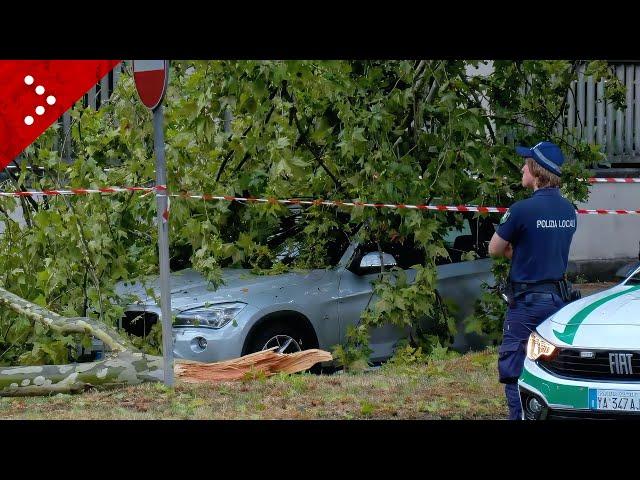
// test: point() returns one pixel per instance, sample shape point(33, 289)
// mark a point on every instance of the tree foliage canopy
point(392, 131)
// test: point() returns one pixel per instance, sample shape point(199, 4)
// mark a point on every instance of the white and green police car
point(584, 361)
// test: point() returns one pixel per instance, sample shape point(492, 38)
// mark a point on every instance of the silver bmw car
point(307, 309)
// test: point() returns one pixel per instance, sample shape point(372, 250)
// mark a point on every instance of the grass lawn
point(464, 387)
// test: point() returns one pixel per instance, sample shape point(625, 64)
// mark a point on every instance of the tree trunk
point(124, 368)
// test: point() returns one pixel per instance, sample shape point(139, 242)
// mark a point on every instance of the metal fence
point(596, 121)
point(94, 98)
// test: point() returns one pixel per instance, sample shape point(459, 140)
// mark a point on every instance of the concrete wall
point(603, 243)
point(608, 236)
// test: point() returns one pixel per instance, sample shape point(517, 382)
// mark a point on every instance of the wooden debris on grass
point(266, 362)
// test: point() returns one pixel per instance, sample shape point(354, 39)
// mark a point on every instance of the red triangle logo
point(35, 93)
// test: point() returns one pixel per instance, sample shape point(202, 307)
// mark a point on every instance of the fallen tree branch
point(124, 368)
point(61, 324)
point(124, 365)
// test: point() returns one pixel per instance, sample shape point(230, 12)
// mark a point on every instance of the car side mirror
point(372, 262)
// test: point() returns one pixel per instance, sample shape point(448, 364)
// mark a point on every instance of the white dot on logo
point(39, 109)
point(51, 99)
point(28, 79)
point(28, 120)
point(39, 89)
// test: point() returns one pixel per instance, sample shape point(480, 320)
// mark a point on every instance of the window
point(473, 236)
point(294, 246)
point(404, 252)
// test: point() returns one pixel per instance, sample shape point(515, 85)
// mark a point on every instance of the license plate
point(614, 400)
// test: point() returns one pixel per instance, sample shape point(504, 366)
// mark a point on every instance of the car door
point(460, 280)
point(355, 293)
point(316, 295)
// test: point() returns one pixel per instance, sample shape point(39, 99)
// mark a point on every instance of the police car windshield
point(634, 278)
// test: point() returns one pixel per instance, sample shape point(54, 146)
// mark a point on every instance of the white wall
point(608, 236)
point(483, 70)
point(15, 214)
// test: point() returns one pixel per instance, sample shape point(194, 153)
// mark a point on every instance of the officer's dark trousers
point(527, 312)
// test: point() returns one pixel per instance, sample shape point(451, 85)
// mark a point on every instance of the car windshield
point(294, 246)
point(635, 278)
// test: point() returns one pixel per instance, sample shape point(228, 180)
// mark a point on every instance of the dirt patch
point(591, 288)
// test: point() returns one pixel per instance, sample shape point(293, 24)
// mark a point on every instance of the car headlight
point(538, 347)
point(214, 316)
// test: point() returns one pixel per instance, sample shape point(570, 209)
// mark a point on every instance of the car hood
point(190, 288)
point(608, 319)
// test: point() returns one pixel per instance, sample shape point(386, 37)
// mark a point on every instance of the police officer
point(535, 234)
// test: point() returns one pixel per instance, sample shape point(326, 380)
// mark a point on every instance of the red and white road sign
point(151, 77)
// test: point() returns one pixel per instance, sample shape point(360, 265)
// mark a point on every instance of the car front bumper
point(219, 344)
point(205, 344)
point(565, 398)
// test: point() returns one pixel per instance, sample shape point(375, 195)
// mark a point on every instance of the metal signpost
point(151, 78)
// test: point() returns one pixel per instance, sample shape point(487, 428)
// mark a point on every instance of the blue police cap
point(546, 154)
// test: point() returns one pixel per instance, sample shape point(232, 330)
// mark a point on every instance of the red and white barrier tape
point(589, 180)
point(339, 203)
point(613, 180)
point(586, 211)
point(81, 191)
point(440, 208)
point(295, 201)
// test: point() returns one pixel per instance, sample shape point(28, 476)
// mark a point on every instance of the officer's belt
point(551, 286)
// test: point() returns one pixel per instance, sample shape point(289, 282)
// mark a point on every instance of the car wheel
point(285, 338)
